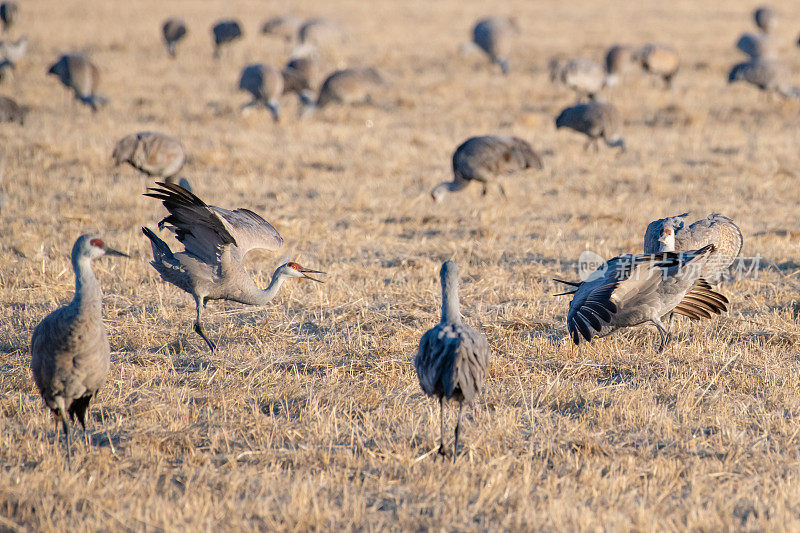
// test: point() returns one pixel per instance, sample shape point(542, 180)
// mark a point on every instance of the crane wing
point(195, 224)
point(249, 230)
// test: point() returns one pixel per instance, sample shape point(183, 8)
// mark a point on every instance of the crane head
point(92, 246)
point(294, 270)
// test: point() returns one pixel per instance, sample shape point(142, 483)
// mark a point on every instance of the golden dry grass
point(310, 415)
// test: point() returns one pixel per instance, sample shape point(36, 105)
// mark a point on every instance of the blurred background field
point(310, 415)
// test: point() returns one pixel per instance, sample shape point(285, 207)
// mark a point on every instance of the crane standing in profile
point(453, 358)
point(69, 348)
point(483, 159)
point(215, 241)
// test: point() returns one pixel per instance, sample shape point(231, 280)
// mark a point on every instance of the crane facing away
point(69, 348)
point(453, 358)
point(215, 241)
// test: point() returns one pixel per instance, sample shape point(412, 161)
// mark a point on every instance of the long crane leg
point(442, 450)
point(458, 430)
point(198, 328)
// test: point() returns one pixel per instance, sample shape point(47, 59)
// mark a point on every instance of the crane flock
point(70, 346)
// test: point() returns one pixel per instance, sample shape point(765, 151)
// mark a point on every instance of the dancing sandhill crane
point(286, 27)
point(767, 75)
point(484, 159)
point(9, 11)
point(320, 32)
point(215, 242)
point(630, 290)
point(78, 73)
point(224, 32)
point(670, 235)
point(596, 120)
point(661, 60)
point(265, 84)
point(174, 30)
point(348, 86)
point(494, 35)
point(11, 111)
point(453, 358)
point(757, 46)
point(153, 153)
point(301, 76)
point(584, 76)
point(765, 18)
point(69, 348)
point(620, 59)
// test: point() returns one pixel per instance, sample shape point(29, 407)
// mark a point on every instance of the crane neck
point(257, 296)
point(87, 289)
point(451, 307)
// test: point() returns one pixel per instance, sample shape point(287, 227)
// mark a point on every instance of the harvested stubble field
point(310, 415)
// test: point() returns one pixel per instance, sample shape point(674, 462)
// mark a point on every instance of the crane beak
point(306, 273)
point(111, 251)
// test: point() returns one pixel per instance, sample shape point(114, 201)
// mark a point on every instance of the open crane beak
point(111, 251)
point(306, 273)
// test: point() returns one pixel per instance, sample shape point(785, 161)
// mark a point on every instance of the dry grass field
point(310, 416)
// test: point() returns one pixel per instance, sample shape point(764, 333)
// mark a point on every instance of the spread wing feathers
point(632, 279)
point(204, 230)
point(452, 361)
point(701, 302)
point(654, 230)
point(249, 229)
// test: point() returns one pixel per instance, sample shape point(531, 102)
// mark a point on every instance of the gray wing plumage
point(204, 230)
point(69, 358)
point(451, 362)
point(631, 289)
point(718, 230)
point(482, 158)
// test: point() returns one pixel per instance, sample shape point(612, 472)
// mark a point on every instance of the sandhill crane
point(69, 347)
point(320, 32)
point(215, 241)
point(265, 83)
point(766, 74)
point(595, 120)
point(494, 36)
point(174, 30)
point(620, 59)
point(630, 290)
point(224, 32)
point(153, 153)
point(78, 73)
point(9, 11)
point(765, 18)
point(757, 46)
point(301, 76)
point(285, 26)
point(484, 159)
point(453, 358)
point(348, 86)
point(11, 111)
point(584, 76)
point(670, 235)
point(661, 60)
